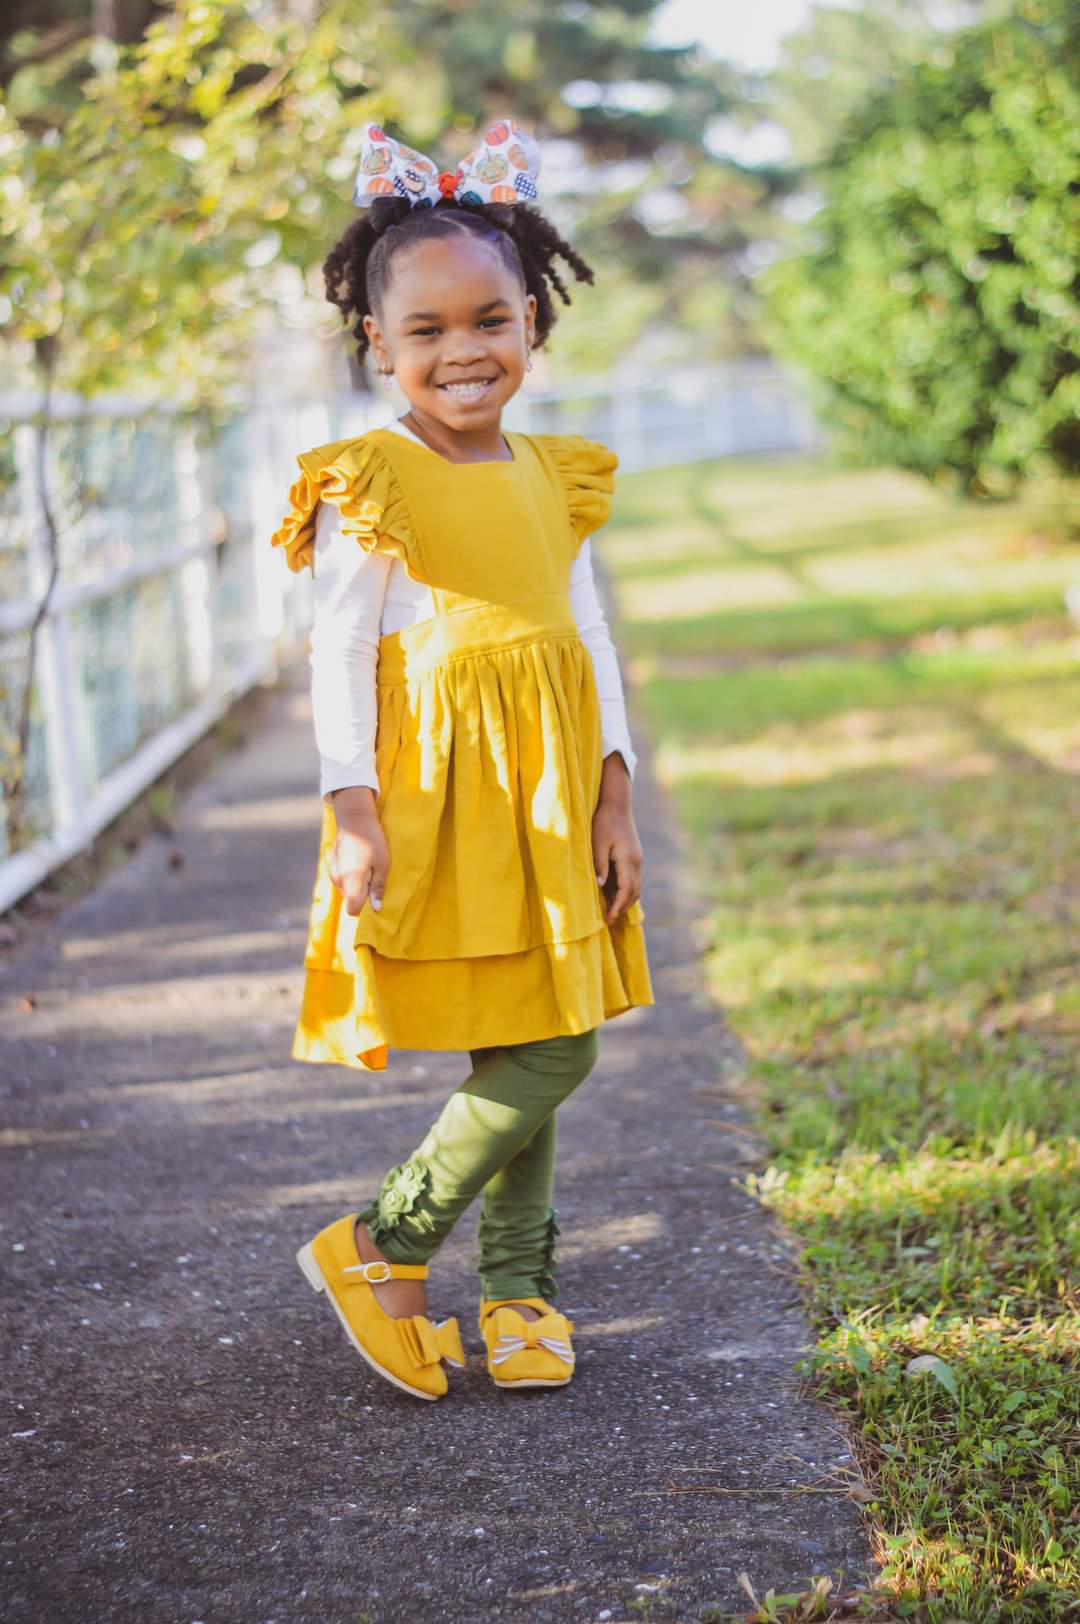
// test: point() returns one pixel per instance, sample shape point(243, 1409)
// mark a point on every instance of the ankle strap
point(488, 1305)
point(379, 1270)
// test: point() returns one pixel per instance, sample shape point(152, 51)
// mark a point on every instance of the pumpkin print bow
point(503, 169)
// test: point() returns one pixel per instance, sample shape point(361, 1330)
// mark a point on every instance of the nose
point(463, 349)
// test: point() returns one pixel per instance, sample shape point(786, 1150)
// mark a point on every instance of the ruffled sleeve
point(587, 471)
point(356, 478)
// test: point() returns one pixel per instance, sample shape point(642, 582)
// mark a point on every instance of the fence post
point(196, 579)
point(52, 663)
point(267, 500)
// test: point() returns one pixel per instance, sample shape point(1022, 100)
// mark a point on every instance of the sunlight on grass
point(885, 525)
point(946, 565)
point(1051, 731)
point(808, 625)
point(947, 1466)
point(739, 702)
point(768, 497)
point(700, 554)
point(698, 591)
point(785, 753)
point(880, 770)
point(653, 546)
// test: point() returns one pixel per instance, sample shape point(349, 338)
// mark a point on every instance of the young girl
point(479, 871)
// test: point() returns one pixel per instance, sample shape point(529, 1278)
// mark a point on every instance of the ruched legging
point(495, 1137)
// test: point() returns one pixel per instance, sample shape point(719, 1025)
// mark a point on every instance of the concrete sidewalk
point(189, 1435)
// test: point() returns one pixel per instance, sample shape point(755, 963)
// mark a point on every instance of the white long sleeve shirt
point(362, 596)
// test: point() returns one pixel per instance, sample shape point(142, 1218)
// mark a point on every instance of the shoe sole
point(315, 1278)
point(536, 1382)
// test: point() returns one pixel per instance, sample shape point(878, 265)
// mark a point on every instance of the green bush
point(934, 295)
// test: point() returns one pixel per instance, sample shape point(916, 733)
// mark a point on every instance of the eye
point(422, 332)
point(494, 321)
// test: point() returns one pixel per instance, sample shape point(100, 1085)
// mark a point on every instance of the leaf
point(928, 1364)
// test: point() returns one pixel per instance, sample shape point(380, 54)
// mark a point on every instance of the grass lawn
point(866, 698)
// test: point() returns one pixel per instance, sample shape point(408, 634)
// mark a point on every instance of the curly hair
point(357, 268)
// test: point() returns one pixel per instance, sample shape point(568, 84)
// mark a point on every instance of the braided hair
point(357, 268)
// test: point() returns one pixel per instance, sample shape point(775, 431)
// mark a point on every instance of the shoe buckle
point(364, 1271)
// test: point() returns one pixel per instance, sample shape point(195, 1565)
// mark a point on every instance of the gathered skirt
point(491, 930)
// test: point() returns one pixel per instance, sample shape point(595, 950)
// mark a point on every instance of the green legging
point(496, 1136)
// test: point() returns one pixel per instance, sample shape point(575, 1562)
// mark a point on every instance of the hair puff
point(357, 269)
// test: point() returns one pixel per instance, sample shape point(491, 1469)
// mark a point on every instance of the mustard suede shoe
point(408, 1352)
point(526, 1353)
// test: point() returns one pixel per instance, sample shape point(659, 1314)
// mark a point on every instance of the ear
point(378, 344)
point(530, 319)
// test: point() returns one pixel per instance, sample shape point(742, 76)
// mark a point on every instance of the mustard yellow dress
point(488, 754)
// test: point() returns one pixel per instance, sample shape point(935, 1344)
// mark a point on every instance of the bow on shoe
point(551, 1331)
point(426, 1343)
point(504, 168)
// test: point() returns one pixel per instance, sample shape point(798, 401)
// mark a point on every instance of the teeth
point(466, 391)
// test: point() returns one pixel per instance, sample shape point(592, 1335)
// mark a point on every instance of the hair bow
point(503, 169)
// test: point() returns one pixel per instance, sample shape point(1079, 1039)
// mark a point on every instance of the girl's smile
point(455, 326)
point(472, 389)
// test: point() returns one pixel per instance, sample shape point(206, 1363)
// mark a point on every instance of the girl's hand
point(616, 847)
point(360, 859)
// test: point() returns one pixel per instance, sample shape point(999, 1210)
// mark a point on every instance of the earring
point(387, 374)
point(528, 360)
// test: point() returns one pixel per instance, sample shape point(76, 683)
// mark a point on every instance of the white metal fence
point(166, 601)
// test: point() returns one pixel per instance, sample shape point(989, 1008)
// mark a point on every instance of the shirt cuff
point(619, 744)
point(347, 775)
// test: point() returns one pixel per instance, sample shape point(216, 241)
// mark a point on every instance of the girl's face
point(456, 328)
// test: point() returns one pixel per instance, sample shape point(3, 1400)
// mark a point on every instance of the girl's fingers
point(601, 862)
point(356, 892)
point(366, 885)
point(379, 873)
point(621, 901)
point(355, 885)
point(358, 872)
point(628, 877)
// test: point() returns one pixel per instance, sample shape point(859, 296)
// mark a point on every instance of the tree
point(935, 294)
point(843, 55)
point(139, 242)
